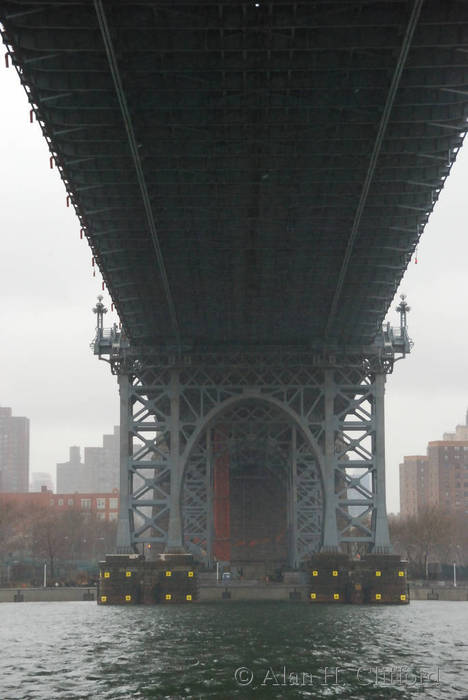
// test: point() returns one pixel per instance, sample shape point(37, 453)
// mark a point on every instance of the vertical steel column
point(174, 535)
point(330, 531)
point(380, 525)
point(293, 501)
point(209, 497)
point(124, 543)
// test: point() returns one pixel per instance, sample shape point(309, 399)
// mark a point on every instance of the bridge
point(253, 178)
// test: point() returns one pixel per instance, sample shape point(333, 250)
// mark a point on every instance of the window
point(100, 503)
point(113, 503)
point(52, 501)
point(86, 504)
point(70, 501)
point(112, 516)
point(60, 501)
point(101, 516)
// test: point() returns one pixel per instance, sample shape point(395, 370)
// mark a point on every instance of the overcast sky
point(47, 291)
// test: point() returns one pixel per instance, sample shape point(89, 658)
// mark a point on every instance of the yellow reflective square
point(103, 599)
point(378, 573)
point(334, 573)
point(168, 573)
point(314, 573)
point(128, 598)
point(190, 574)
point(403, 597)
point(378, 596)
point(128, 574)
point(336, 596)
point(401, 573)
point(313, 596)
point(168, 596)
point(188, 597)
point(106, 574)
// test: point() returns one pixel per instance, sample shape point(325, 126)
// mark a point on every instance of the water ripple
point(79, 650)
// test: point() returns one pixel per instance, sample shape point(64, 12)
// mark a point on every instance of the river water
point(240, 650)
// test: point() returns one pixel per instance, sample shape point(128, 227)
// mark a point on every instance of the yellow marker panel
point(128, 574)
point(128, 598)
point(314, 573)
point(168, 573)
point(401, 573)
point(336, 596)
point(190, 574)
point(188, 596)
point(168, 596)
point(334, 573)
point(313, 596)
point(378, 596)
point(103, 599)
point(403, 596)
point(378, 573)
point(106, 574)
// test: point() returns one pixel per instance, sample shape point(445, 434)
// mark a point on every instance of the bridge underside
point(248, 173)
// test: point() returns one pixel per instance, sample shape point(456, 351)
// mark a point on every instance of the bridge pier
point(382, 538)
point(316, 422)
point(124, 543)
point(301, 435)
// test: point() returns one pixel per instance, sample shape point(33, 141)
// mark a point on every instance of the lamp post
point(454, 574)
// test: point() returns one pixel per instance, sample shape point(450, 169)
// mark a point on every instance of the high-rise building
point(40, 480)
point(448, 474)
point(414, 484)
point(14, 452)
point(71, 476)
point(98, 473)
point(440, 478)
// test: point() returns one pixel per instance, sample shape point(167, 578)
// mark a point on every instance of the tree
point(431, 534)
point(48, 541)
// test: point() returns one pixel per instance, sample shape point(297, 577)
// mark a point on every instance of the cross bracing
point(248, 173)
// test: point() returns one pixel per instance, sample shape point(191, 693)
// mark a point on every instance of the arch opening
point(252, 497)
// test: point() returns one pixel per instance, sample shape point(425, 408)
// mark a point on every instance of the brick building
point(448, 473)
point(414, 484)
point(438, 478)
point(104, 505)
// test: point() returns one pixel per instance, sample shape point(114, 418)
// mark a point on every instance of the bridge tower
point(297, 436)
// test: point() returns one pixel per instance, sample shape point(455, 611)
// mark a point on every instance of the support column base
point(374, 579)
point(130, 579)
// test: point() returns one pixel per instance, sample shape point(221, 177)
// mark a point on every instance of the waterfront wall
point(217, 592)
point(52, 594)
point(437, 593)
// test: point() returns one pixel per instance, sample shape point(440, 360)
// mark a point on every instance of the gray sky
point(47, 290)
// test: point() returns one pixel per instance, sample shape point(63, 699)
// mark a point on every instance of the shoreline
point(88, 593)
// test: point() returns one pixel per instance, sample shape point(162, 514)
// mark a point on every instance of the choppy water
point(80, 650)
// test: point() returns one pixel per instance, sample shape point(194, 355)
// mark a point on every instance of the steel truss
point(325, 424)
